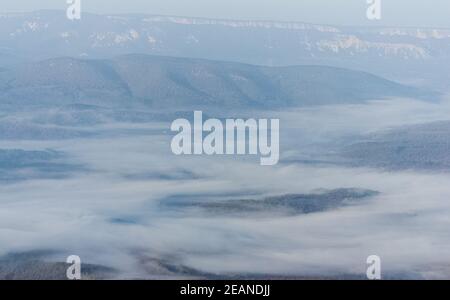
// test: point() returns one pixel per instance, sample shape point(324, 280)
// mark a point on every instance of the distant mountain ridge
point(95, 35)
point(189, 83)
point(413, 55)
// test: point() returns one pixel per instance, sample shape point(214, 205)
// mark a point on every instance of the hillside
point(189, 83)
point(411, 55)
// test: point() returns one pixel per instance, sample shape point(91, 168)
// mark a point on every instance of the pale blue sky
point(434, 13)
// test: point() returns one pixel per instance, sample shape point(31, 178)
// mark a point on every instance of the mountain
point(290, 205)
point(156, 81)
point(18, 164)
point(419, 56)
point(39, 265)
point(421, 147)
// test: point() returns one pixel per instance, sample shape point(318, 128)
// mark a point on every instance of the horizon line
point(232, 19)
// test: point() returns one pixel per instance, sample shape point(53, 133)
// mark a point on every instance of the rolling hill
point(167, 82)
point(416, 147)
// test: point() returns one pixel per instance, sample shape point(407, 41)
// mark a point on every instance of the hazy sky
point(351, 12)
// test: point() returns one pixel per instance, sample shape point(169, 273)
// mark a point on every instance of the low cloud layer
point(110, 213)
